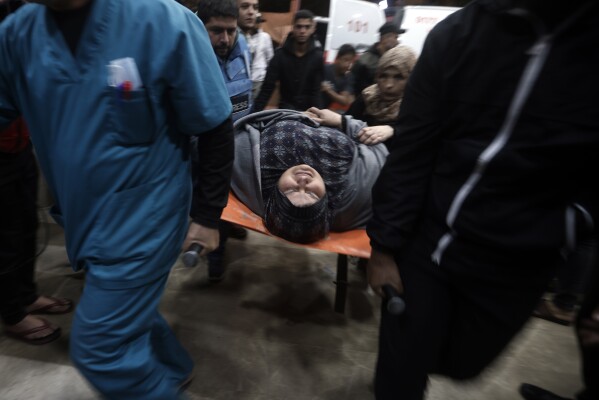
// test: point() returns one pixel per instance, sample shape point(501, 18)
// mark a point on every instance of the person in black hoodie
point(298, 66)
point(475, 205)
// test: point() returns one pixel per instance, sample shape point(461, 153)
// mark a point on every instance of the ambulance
point(418, 22)
point(349, 21)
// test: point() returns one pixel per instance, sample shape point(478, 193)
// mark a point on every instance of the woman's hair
point(296, 224)
point(400, 57)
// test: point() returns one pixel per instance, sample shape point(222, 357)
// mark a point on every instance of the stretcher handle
point(191, 256)
point(395, 304)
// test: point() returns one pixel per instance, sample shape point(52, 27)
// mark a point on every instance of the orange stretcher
point(351, 243)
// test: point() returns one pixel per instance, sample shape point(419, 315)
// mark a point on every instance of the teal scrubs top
point(116, 161)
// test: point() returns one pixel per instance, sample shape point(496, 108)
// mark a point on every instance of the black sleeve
point(357, 108)
point(269, 84)
point(212, 172)
point(401, 190)
point(360, 72)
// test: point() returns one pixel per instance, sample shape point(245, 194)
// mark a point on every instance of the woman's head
point(393, 71)
point(302, 185)
point(297, 209)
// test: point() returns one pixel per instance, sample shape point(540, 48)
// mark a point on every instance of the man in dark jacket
point(498, 139)
point(364, 69)
point(298, 66)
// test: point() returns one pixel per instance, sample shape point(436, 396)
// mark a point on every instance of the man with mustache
point(231, 49)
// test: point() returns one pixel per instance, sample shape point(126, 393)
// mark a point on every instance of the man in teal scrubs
point(112, 90)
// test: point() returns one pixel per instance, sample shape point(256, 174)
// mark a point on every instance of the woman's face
point(302, 185)
point(391, 83)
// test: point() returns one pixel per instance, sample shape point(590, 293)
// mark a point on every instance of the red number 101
point(357, 26)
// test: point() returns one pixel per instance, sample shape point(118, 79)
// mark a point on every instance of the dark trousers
point(216, 257)
point(590, 356)
point(18, 225)
point(573, 274)
point(459, 315)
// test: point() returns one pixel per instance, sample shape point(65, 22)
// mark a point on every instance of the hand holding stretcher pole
point(395, 304)
point(200, 240)
point(191, 256)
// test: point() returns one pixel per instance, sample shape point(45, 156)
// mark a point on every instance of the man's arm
point(269, 85)
point(343, 98)
point(357, 108)
point(213, 169)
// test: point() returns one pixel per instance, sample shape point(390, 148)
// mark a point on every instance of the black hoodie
point(498, 132)
point(300, 77)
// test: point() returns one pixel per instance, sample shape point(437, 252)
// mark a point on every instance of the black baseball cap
point(390, 27)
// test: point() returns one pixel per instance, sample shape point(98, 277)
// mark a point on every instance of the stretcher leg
point(341, 282)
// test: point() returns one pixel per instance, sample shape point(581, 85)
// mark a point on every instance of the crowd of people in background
point(471, 166)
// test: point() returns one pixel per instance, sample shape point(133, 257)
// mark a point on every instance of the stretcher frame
point(351, 243)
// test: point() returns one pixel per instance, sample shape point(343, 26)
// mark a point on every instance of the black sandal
point(22, 336)
point(549, 312)
point(58, 303)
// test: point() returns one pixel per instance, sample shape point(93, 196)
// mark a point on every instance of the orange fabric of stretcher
point(352, 243)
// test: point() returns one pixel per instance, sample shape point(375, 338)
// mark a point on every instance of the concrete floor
point(268, 331)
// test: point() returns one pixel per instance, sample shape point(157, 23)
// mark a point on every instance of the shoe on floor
point(550, 312)
point(237, 232)
point(26, 335)
point(532, 392)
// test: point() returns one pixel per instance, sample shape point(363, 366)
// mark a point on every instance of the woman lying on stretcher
point(304, 178)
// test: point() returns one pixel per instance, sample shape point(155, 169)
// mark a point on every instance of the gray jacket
point(352, 213)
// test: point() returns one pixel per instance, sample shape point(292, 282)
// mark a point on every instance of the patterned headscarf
point(400, 58)
point(296, 224)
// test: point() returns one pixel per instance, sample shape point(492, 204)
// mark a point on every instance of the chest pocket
point(132, 116)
